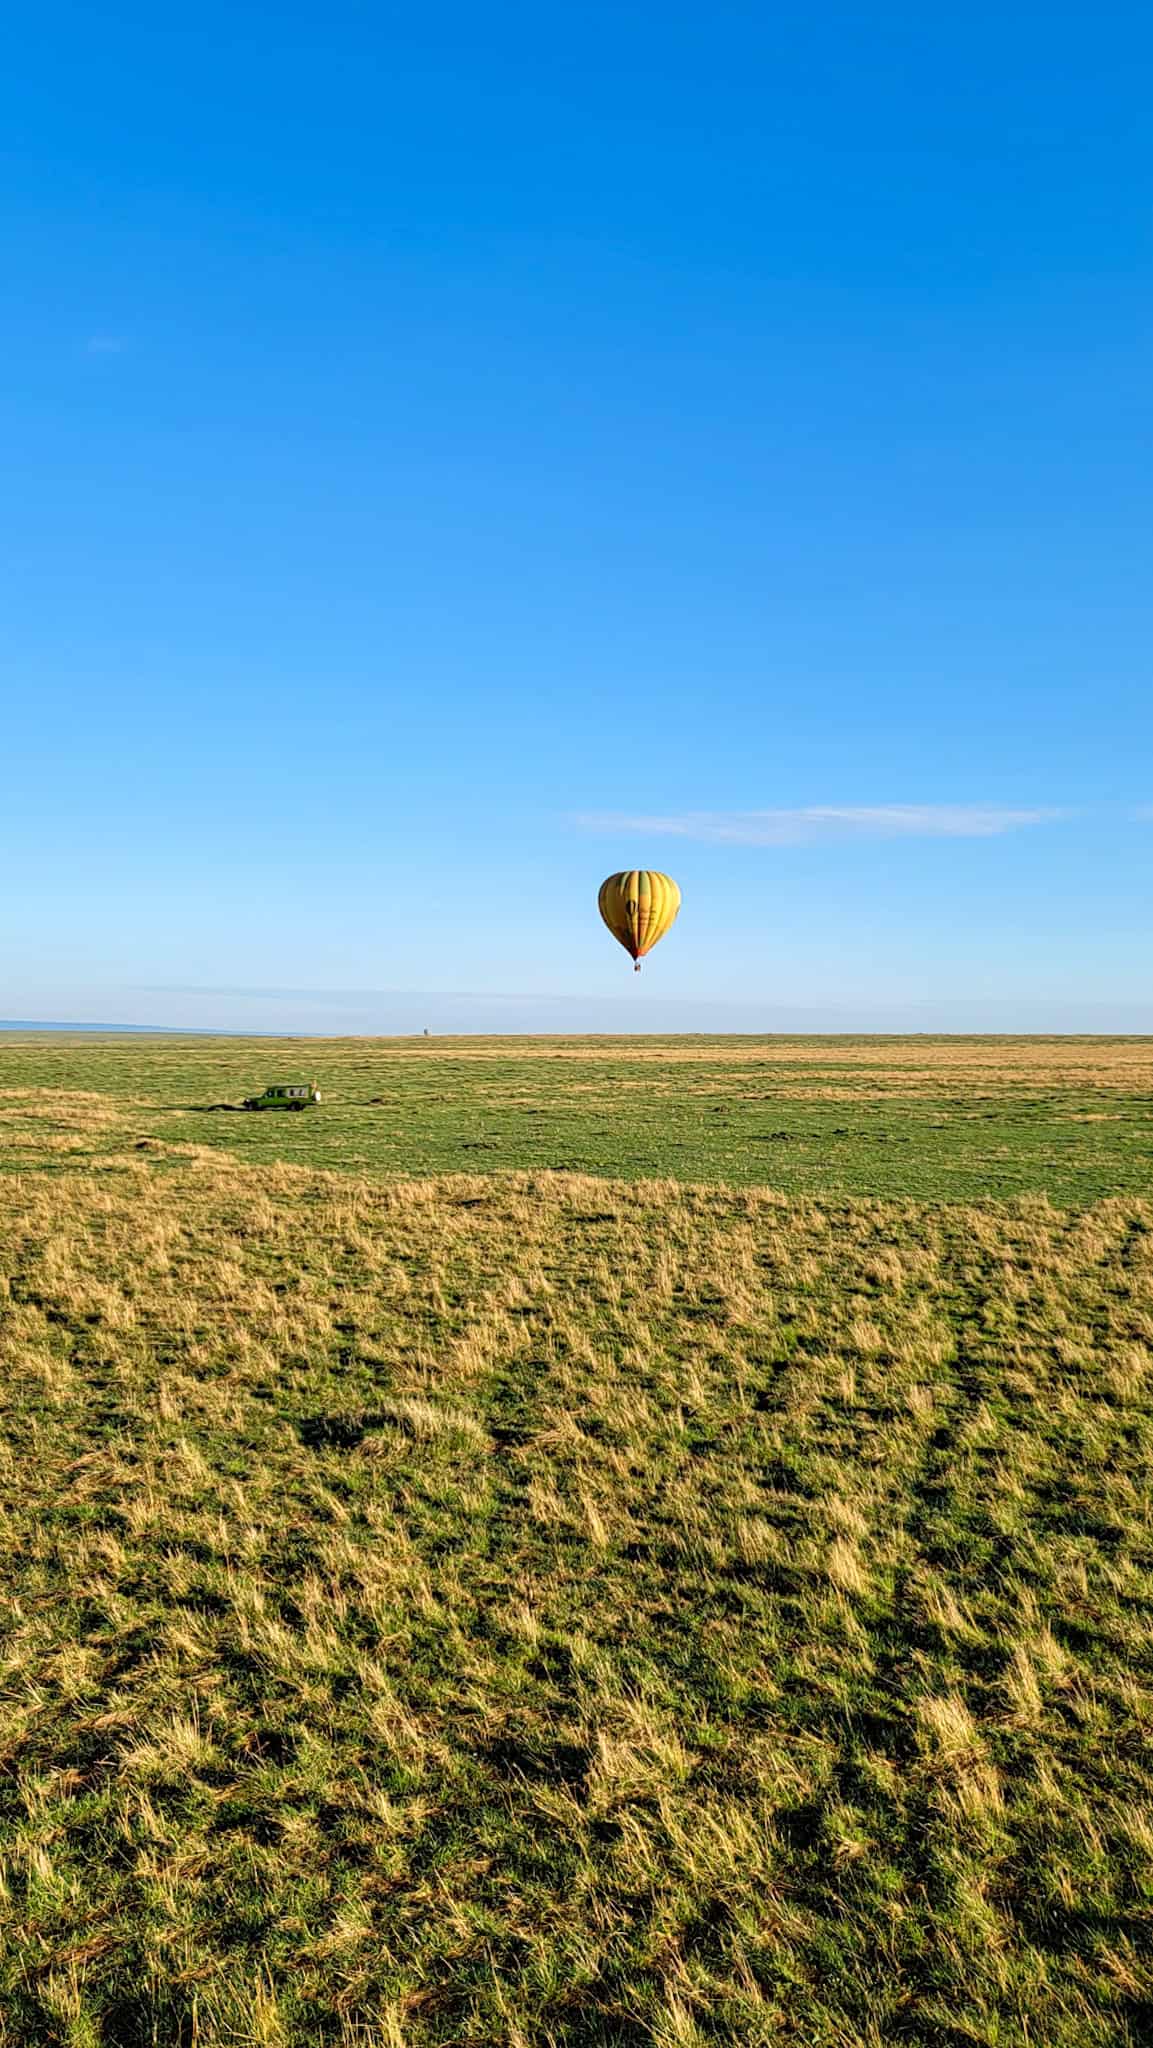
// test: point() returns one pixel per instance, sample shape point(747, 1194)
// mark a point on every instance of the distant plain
point(937, 1118)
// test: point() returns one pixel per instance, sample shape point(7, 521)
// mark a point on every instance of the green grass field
point(938, 1119)
point(540, 1559)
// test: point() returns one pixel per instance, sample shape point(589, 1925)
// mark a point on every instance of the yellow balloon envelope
point(639, 906)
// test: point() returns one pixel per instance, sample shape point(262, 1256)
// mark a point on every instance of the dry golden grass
point(553, 1611)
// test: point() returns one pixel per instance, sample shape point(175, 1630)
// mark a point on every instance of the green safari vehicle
point(298, 1095)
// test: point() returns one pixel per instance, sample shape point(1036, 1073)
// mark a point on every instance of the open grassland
point(564, 1612)
point(945, 1119)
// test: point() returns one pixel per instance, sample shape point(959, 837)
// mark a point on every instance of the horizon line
point(41, 1026)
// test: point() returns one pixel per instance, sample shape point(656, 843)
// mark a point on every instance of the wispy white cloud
point(826, 822)
point(105, 345)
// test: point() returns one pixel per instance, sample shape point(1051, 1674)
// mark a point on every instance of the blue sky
point(451, 455)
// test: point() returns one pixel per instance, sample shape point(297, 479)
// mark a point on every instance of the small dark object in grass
point(341, 1432)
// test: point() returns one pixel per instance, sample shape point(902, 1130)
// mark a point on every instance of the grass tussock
point(548, 1611)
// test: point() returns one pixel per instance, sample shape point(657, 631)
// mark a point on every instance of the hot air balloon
point(639, 906)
